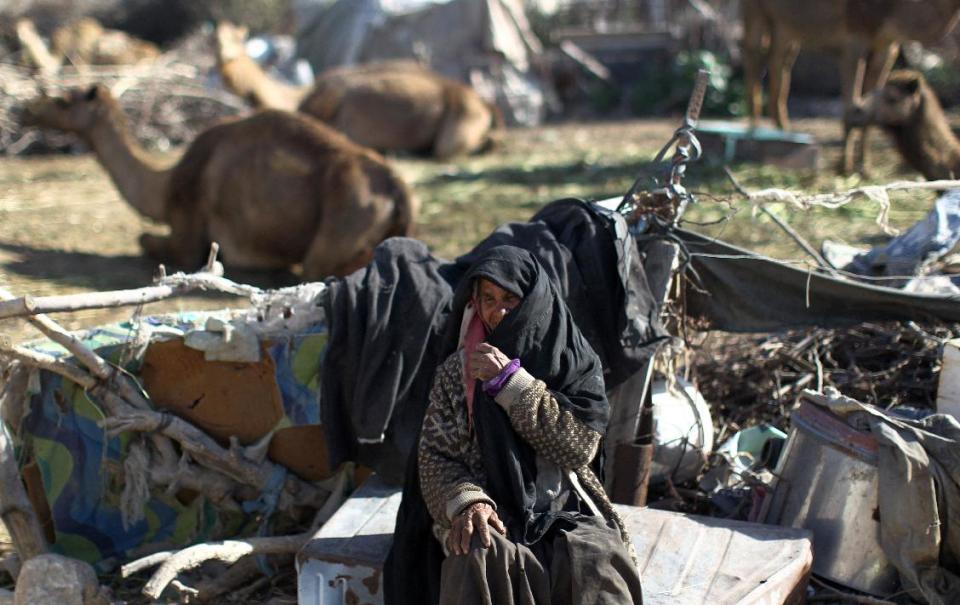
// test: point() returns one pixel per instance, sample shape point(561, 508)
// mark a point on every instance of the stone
point(51, 579)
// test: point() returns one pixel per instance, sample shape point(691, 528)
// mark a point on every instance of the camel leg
point(852, 68)
point(878, 68)
point(783, 54)
point(186, 246)
point(755, 40)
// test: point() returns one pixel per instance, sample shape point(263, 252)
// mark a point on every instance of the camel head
point(230, 40)
point(78, 111)
point(895, 103)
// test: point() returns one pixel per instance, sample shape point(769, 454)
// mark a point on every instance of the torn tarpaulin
point(740, 291)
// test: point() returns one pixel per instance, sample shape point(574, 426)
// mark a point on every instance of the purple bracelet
point(493, 386)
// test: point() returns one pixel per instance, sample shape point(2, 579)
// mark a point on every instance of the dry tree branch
point(228, 551)
point(167, 287)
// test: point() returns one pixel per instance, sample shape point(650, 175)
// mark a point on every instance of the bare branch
point(49, 363)
point(228, 551)
point(167, 287)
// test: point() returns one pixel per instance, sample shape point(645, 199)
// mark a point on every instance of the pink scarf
point(473, 331)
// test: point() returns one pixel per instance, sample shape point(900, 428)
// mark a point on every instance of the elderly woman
point(513, 426)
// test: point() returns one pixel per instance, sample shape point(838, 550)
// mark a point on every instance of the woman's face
point(495, 302)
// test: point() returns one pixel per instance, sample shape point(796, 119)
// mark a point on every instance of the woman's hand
point(486, 361)
point(478, 515)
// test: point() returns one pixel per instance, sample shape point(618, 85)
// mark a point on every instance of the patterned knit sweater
point(451, 470)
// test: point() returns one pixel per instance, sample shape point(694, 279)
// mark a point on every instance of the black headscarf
point(540, 331)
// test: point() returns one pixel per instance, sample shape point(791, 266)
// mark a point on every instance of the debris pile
point(757, 378)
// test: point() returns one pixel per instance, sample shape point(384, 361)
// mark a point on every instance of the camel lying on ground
point(868, 35)
point(273, 189)
point(390, 106)
point(83, 42)
point(908, 109)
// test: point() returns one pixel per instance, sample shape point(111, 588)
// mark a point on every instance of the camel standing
point(908, 109)
point(274, 189)
point(390, 106)
point(868, 35)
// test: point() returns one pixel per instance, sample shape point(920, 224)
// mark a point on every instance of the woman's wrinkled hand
point(486, 361)
point(479, 516)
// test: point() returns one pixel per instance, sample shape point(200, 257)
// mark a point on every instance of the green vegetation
point(668, 91)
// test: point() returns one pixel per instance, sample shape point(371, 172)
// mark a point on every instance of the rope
point(878, 194)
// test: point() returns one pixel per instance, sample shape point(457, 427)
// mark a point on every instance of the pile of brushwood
point(166, 100)
point(757, 378)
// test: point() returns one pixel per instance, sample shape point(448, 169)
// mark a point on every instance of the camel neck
point(248, 80)
point(138, 177)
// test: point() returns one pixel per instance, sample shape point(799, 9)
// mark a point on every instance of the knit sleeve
point(446, 480)
point(553, 433)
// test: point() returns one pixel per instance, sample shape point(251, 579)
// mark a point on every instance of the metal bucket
point(828, 484)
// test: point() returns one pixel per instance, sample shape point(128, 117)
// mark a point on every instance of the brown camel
point(83, 42)
point(274, 189)
point(868, 34)
point(908, 109)
point(390, 106)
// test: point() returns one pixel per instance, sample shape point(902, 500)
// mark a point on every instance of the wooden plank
point(373, 500)
point(692, 559)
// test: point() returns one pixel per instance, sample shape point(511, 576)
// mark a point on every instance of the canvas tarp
point(740, 291)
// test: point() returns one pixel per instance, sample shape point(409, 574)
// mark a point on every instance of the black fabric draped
point(388, 319)
point(541, 332)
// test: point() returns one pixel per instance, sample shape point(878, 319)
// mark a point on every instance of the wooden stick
point(167, 287)
point(97, 366)
point(228, 551)
point(15, 507)
point(145, 563)
point(50, 363)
